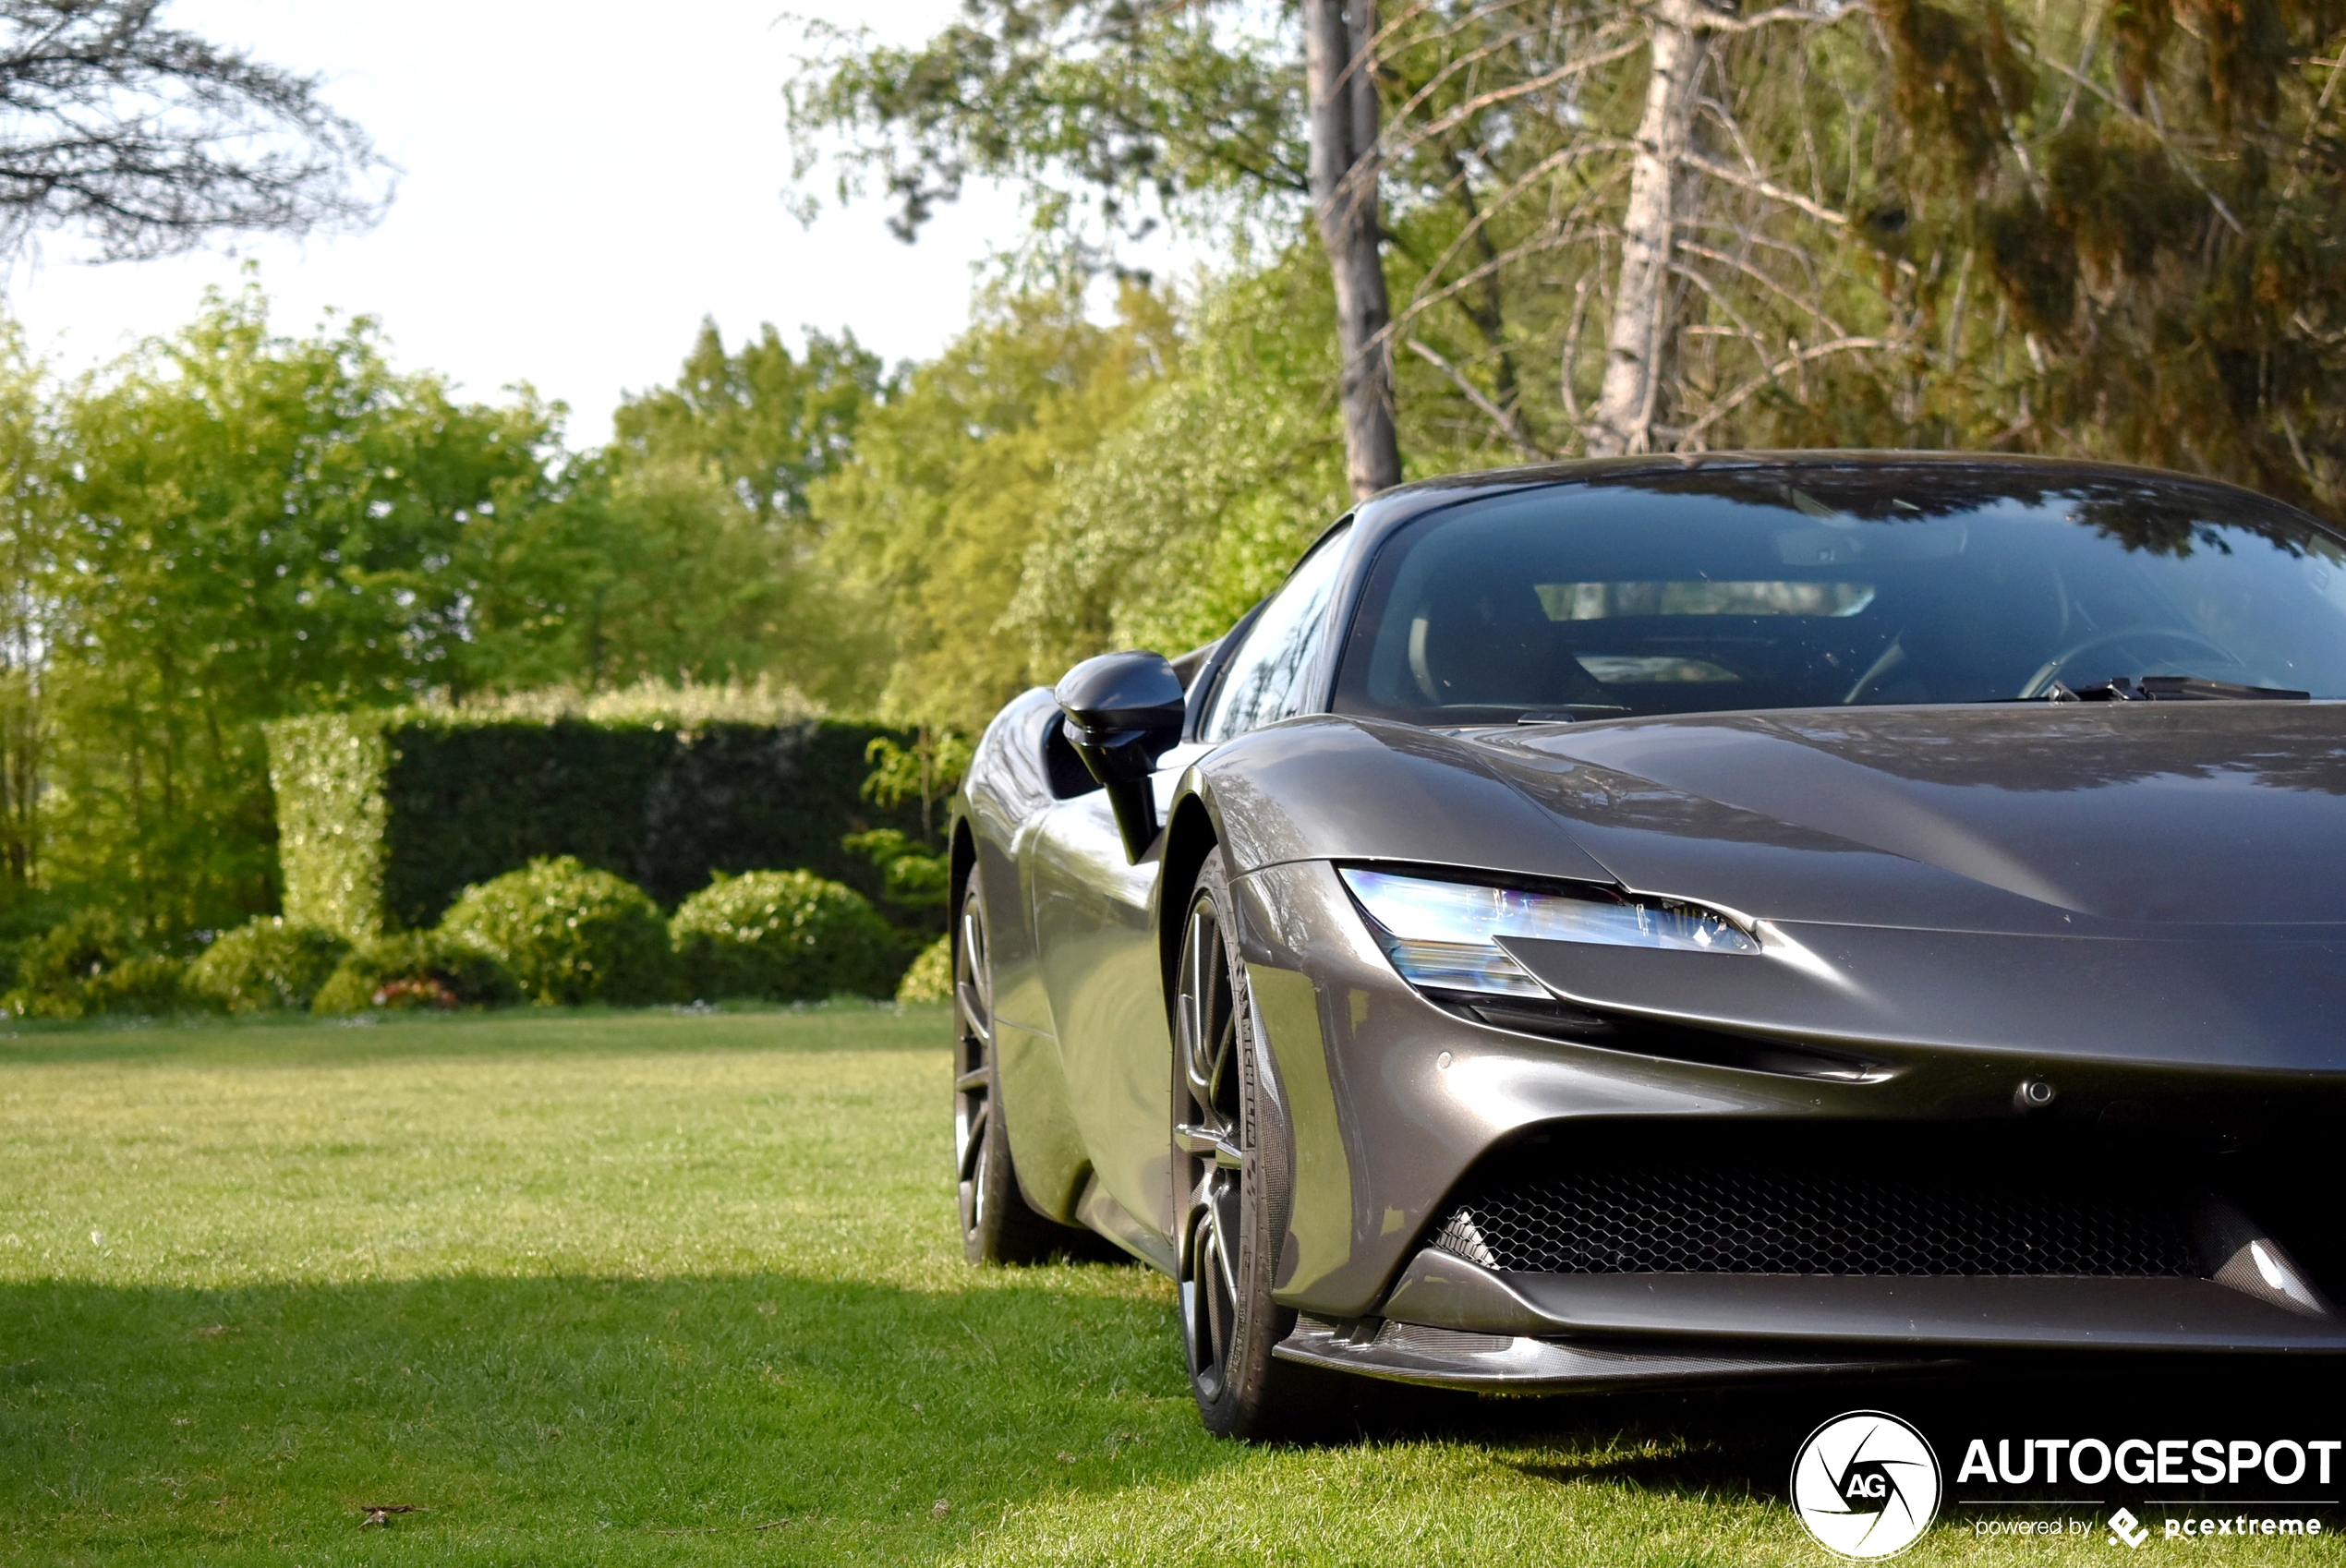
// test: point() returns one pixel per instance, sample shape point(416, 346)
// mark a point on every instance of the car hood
point(2072, 819)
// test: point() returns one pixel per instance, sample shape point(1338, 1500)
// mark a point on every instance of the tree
point(1340, 56)
point(249, 526)
point(679, 551)
point(927, 532)
point(770, 422)
point(2128, 222)
point(153, 139)
point(1123, 105)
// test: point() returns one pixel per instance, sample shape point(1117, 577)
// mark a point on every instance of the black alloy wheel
point(1231, 1191)
point(996, 1225)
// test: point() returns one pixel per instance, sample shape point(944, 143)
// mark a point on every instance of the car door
point(1097, 941)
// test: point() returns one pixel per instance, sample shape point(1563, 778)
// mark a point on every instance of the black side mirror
point(1124, 711)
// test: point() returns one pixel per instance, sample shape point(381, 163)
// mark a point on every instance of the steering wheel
point(2050, 669)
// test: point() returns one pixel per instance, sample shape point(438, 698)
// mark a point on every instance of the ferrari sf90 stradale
point(1682, 921)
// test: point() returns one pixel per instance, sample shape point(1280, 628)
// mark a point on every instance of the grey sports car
point(1684, 921)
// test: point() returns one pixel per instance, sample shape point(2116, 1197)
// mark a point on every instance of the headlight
point(1439, 934)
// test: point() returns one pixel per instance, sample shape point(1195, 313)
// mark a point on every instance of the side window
point(1259, 685)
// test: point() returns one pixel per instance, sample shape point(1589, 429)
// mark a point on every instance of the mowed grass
point(673, 1288)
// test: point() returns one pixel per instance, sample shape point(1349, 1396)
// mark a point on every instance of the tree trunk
point(1336, 47)
point(1624, 407)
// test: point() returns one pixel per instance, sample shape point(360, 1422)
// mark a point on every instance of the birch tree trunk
point(1338, 41)
point(1624, 415)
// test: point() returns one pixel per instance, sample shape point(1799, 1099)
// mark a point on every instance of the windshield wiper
point(2172, 689)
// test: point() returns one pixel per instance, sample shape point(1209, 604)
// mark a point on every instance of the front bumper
point(1394, 1101)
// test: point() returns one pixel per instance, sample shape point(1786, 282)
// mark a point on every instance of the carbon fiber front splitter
point(1413, 1353)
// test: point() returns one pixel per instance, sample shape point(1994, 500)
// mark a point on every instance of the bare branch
point(1770, 375)
point(155, 141)
point(1504, 418)
point(1761, 186)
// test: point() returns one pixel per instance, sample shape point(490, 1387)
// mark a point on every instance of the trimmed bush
point(383, 818)
point(784, 936)
point(568, 934)
point(143, 983)
point(420, 968)
point(931, 977)
point(266, 965)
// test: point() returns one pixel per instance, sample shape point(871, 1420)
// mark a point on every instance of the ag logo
point(1866, 1484)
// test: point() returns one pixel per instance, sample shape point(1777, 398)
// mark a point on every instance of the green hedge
point(383, 818)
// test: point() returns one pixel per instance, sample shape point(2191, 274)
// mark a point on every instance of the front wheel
point(1231, 1168)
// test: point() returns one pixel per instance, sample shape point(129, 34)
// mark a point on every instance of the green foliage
point(1095, 107)
point(677, 549)
point(568, 934)
point(232, 527)
point(265, 965)
point(691, 705)
point(92, 964)
point(385, 817)
point(143, 983)
point(909, 874)
point(251, 527)
point(928, 769)
point(768, 422)
point(1195, 506)
point(55, 971)
point(929, 524)
point(931, 977)
point(415, 969)
point(326, 774)
point(786, 936)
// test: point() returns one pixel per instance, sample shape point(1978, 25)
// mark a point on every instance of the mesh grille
point(1747, 1221)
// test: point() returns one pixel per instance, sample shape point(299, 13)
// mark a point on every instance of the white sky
point(582, 181)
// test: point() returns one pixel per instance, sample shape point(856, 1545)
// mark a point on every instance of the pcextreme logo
point(1866, 1484)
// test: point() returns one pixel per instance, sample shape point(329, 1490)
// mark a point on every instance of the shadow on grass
point(1740, 1443)
point(294, 1037)
point(520, 1414)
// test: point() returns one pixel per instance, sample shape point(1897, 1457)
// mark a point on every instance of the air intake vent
point(1742, 1219)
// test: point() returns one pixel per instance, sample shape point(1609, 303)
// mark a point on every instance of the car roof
point(1376, 518)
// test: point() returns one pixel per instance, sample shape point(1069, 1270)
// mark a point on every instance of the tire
point(1230, 1165)
point(997, 1224)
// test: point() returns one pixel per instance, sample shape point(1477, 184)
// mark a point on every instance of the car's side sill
point(1100, 1212)
point(1944, 1313)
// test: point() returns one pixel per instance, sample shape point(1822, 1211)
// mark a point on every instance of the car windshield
point(1823, 586)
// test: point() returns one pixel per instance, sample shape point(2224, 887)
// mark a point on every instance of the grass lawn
point(676, 1288)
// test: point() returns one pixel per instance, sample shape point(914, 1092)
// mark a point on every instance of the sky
point(579, 184)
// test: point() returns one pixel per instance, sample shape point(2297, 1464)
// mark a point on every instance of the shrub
point(569, 934)
point(56, 971)
point(266, 965)
point(931, 977)
point(90, 964)
point(143, 983)
point(785, 935)
point(421, 968)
